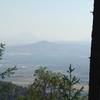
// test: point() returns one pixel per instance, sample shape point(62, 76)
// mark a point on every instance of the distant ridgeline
point(43, 52)
point(56, 56)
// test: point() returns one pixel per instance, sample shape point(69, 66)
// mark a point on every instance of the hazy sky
point(24, 21)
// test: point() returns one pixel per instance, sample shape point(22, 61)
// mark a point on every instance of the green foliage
point(67, 86)
point(8, 72)
point(5, 90)
point(22, 98)
point(9, 91)
point(50, 85)
point(47, 85)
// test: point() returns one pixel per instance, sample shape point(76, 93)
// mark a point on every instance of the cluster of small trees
point(50, 85)
point(47, 85)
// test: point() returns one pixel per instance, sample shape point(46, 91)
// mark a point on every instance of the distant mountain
point(49, 53)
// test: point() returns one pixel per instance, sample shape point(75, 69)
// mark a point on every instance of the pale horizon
point(27, 21)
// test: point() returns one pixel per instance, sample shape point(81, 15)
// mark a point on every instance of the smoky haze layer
point(43, 52)
point(55, 55)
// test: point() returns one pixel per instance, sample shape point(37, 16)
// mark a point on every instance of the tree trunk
point(94, 82)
